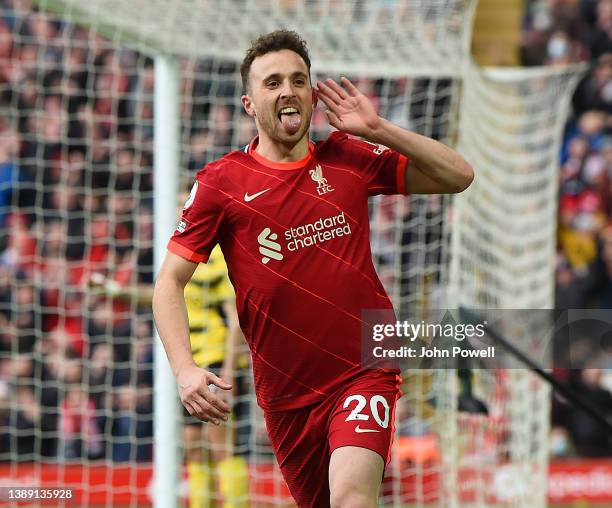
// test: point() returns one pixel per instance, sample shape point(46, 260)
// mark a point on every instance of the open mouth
point(290, 117)
point(289, 112)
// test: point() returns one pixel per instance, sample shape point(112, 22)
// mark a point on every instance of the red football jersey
point(295, 237)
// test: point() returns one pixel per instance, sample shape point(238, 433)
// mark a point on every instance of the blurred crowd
point(75, 224)
point(76, 231)
point(561, 32)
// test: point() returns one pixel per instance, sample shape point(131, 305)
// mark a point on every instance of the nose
point(287, 89)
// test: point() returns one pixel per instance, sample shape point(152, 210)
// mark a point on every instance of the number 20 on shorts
point(375, 402)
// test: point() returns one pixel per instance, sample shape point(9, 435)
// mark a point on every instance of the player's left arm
point(434, 168)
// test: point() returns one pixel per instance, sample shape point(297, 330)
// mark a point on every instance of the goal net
point(76, 233)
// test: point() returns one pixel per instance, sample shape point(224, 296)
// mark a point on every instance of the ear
point(315, 98)
point(248, 105)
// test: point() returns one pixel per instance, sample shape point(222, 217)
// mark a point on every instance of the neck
point(281, 152)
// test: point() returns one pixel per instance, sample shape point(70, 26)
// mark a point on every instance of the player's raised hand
point(348, 109)
point(196, 389)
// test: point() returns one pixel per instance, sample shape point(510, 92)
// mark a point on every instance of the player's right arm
point(172, 323)
point(433, 168)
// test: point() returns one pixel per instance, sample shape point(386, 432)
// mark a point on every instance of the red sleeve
point(383, 169)
point(198, 229)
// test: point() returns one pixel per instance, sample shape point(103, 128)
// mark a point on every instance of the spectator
point(246, 131)
point(142, 353)
point(5, 292)
point(552, 33)
point(26, 318)
point(603, 268)
point(572, 289)
point(594, 93)
point(79, 433)
point(589, 437)
point(5, 415)
point(10, 174)
point(131, 426)
point(105, 372)
point(599, 39)
point(200, 148)
point(28, 422)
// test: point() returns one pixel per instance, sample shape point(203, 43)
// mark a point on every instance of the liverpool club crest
point(317, 175)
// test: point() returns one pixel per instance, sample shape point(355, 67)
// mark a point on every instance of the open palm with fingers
point(348, 109)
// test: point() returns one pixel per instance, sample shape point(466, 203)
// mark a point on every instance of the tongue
point(291, 123)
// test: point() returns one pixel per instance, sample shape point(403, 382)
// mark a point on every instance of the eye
point(300, 81)
point(272, 84)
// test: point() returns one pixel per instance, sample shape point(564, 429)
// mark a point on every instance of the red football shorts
point(361, 413)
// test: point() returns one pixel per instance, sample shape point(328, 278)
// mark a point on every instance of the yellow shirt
point(580, 247)
point(205, 294)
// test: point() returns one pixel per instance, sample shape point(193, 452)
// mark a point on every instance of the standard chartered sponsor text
point(317, 232)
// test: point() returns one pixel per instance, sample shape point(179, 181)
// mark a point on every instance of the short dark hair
point(268, 43)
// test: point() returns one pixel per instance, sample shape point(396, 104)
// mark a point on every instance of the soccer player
point(291, 217)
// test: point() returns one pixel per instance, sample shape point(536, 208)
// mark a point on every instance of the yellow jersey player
point(215, 337)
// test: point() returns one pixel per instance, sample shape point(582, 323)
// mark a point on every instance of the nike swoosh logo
point(248, 198)
point(363, 431)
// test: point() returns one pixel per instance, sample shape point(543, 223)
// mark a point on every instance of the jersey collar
point(279, 165)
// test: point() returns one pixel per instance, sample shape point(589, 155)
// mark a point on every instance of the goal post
point(117, 104)
point(167, 457)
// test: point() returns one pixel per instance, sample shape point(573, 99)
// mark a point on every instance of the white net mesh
point(503, 252)
point(511, 128)
point(371, 38)
point(76, 230)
